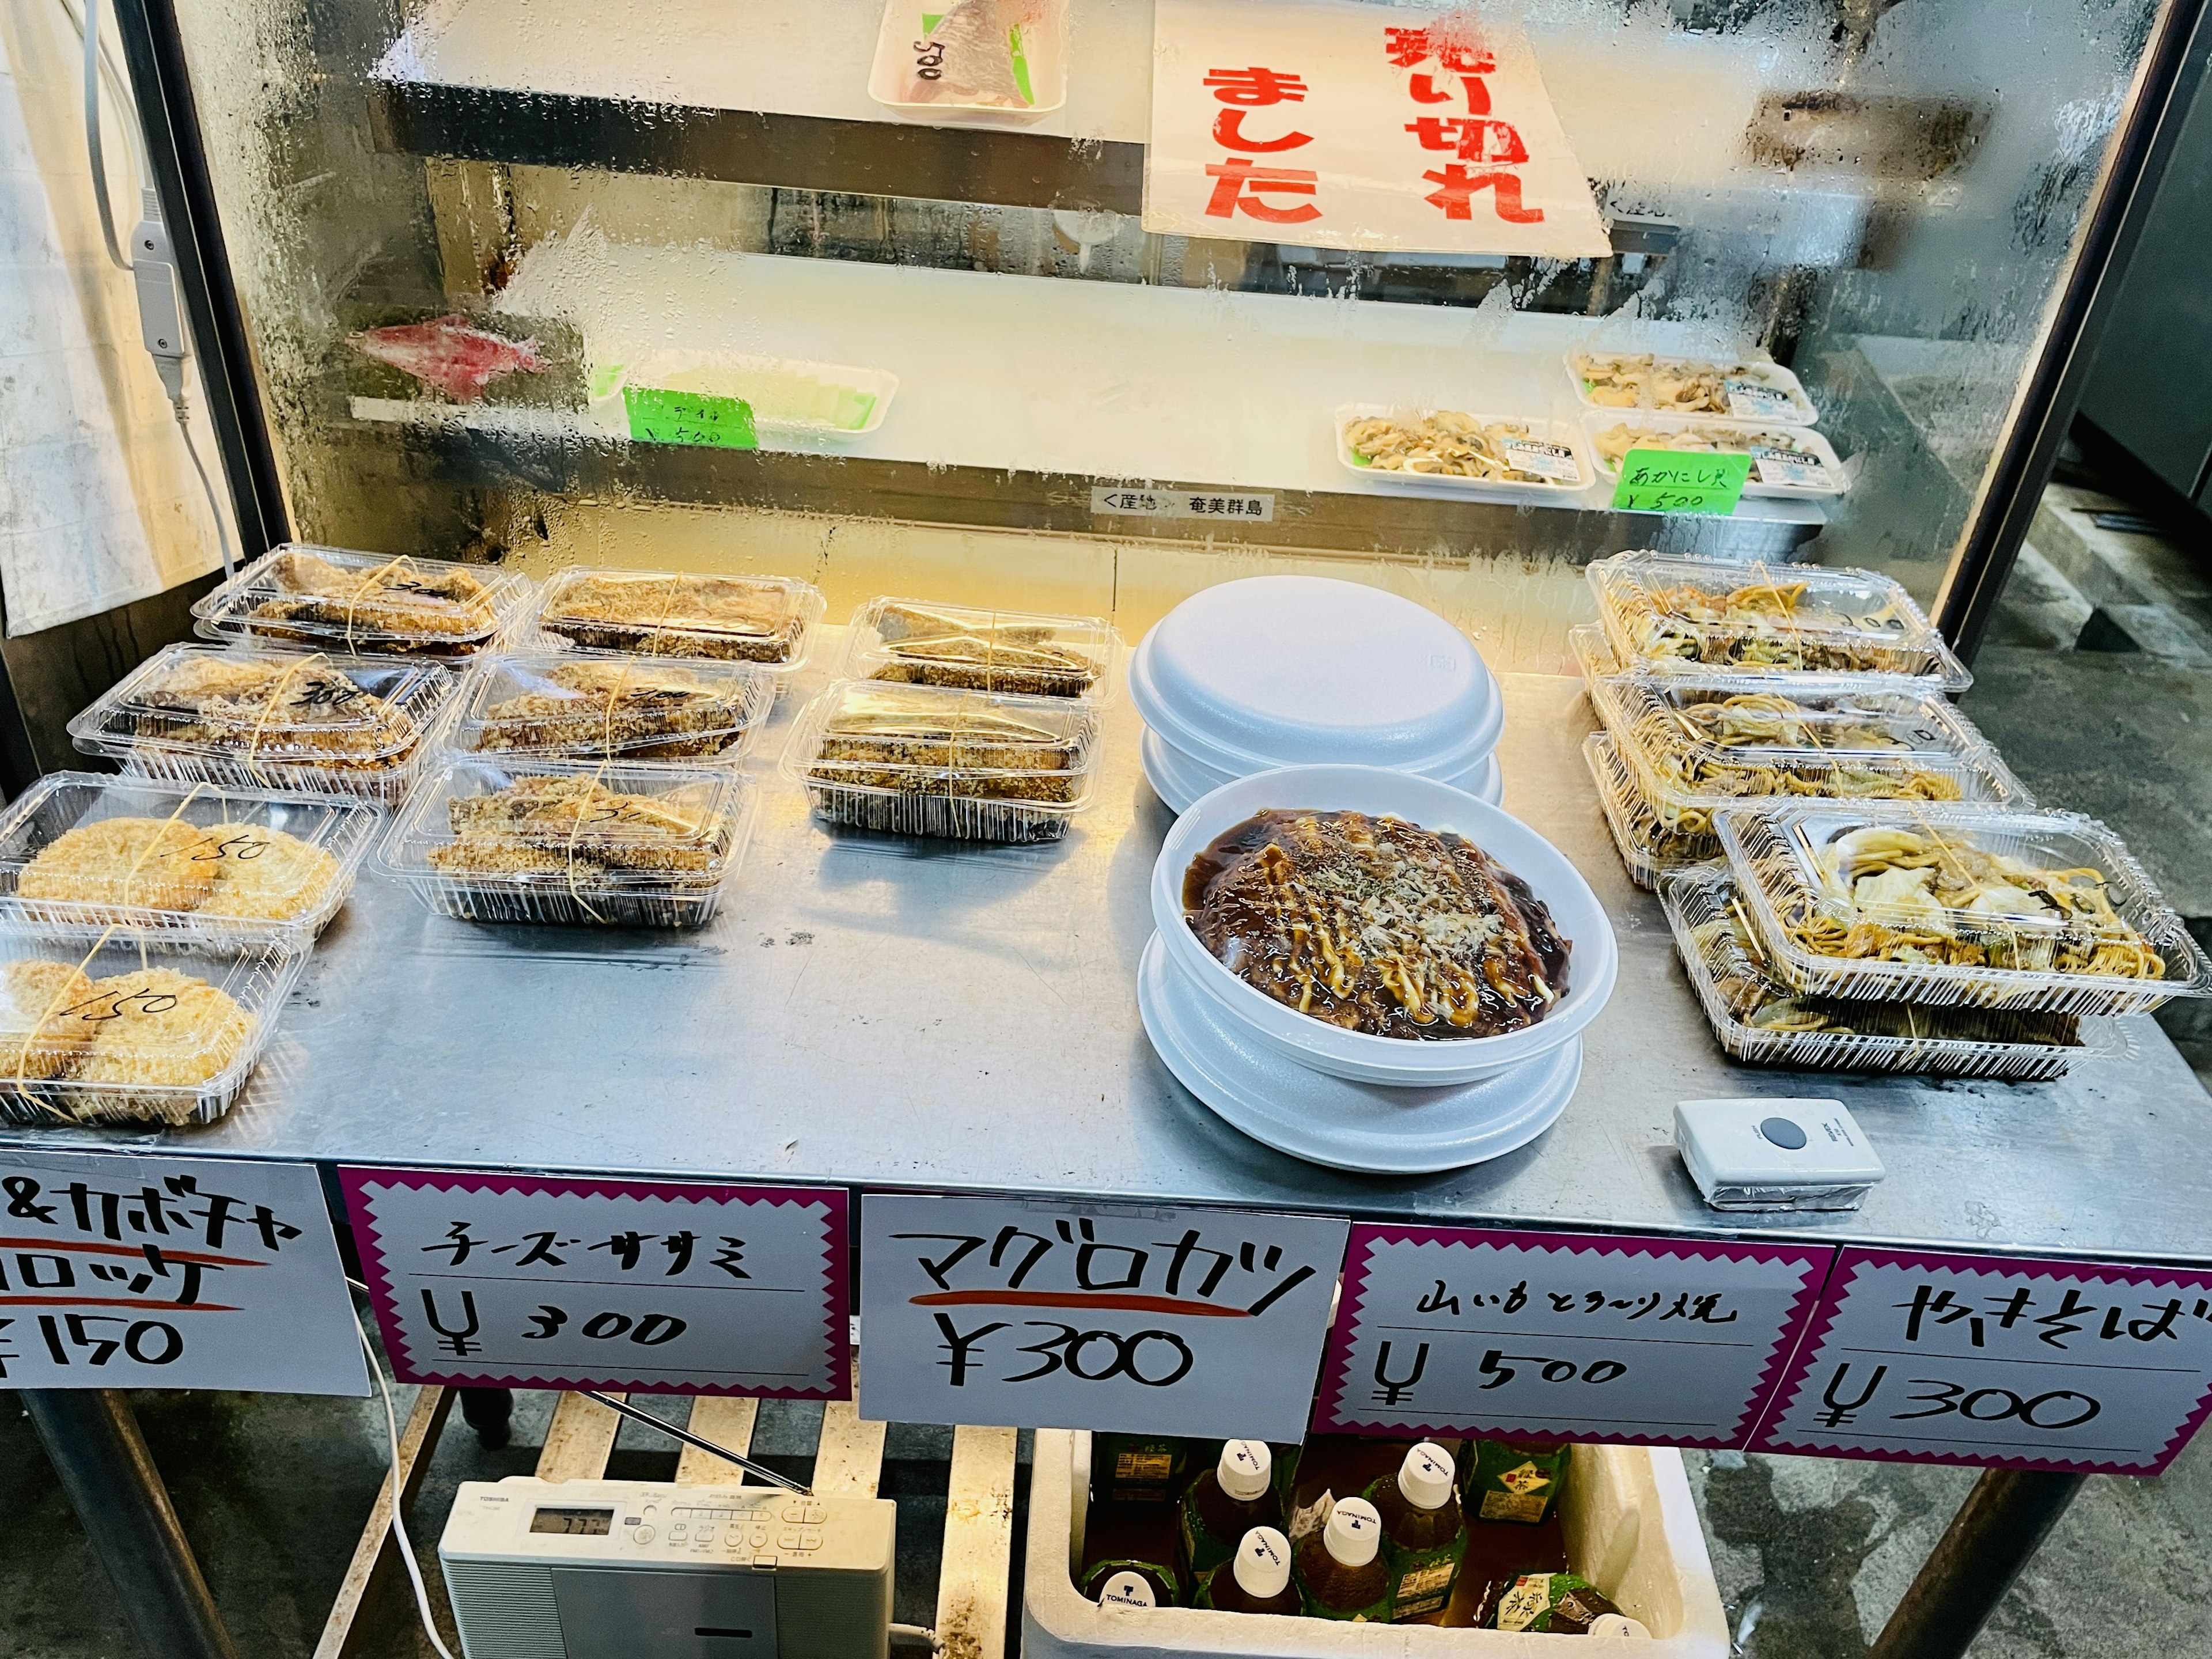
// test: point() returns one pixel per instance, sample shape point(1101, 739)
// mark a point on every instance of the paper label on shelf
point(122, 1272)
point(1794, 467)
point(1652, 1342)
point(1039, 1313)
point(1553, 461)
point(660, 416)
point(575, 1282)
point(1755, 400)
point(1679, 480)
point(2028, 1363)
point(1332, 124)
point(1130, 502)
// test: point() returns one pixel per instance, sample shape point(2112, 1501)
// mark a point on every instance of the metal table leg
point(488, 1411)
point(93, 1444)
point(1995, 1534)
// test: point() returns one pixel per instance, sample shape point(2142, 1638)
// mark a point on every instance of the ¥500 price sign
point(1973, 1359)
point(1040, 1314)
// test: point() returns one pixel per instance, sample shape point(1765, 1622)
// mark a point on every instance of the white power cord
point(398, 1524)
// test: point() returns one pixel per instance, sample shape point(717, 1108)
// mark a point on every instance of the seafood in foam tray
point(1377, 925)
point(1442, 444)
point(1613, 443)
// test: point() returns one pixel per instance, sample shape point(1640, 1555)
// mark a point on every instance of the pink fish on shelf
point(451, 354)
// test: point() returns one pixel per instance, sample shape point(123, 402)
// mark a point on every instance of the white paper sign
point(569, 1282)
point(1657, 1341)
point(121, 1272)
point(1130, 501)
point(1037, 1314)
point(1329, 124)
point(2000, 1360)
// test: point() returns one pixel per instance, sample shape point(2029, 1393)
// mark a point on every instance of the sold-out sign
point(1059, 1313)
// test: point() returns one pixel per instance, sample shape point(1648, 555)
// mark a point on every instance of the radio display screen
point(593, 1523)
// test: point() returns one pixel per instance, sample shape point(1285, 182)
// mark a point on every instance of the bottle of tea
point(1129, 1557)
point(1256, 1579)
point(1424, 1532)
point(1226, 1502)
point(1339, 1569)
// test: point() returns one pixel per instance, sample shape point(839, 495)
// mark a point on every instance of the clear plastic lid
point(1743, 388)
point(1957, 904)
point(250, 705)
point(571, 828)
point(668, 613)
point(933, 741)
point(1646, 850)
point(1026, 653)
point(599, 705)
point(1592, 651)
point(116, 1025)
point(1664, 611)
point(200, 860)
point(1760, 1020)
point(366, 603)
point(1695, 743)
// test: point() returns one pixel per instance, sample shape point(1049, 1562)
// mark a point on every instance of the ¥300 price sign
point(1040, 1314)
point(1455, 1331)
point(569, 1282)
point(2000, 1360)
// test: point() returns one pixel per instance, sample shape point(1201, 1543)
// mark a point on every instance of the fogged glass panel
point(510, 265)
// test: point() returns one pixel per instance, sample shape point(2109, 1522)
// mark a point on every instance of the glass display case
point(484, 278)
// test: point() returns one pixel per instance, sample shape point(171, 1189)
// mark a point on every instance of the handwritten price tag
point(1456, 1331)
point(556, 1282)
point(1672, 481)
point(1039, 1314)
point(2028, 1363)
point(658, 416)
point(171, 1273)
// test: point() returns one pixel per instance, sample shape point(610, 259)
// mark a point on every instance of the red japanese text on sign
point(1239, 186)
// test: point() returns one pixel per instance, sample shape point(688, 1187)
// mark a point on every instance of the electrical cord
point(207, 485)
point(96, 63)
point(399, 1525)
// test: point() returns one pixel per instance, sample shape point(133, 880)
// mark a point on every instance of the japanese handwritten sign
point(1326, 123)
point(1677, 481)
point(662, 417)
point(1982, 1360)
point(1244, 507)
point(1040, 1314)
point(119, 1272)
point(556, 1282)
point(1447, 1330)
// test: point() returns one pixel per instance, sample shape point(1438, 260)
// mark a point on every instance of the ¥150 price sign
point(1043, 1314)
point(2000, 1360)
point(568, 1282)
point(1455, 1331)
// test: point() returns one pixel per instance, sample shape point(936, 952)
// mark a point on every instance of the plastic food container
point(1665, 613)
point(1828, 884)
point(1742, 389)
point(649, 847)
point(254, 717)
point(1552, 450)
point(1696, 743)
point(1292, 670)
point(199, 863)
point(948, 62)
point(1593, 652)
point(332, 599)
point(1021, 652)
point(603, 705)
point(926, 760)
point(1647, 851)
point(1363, 1056)
point(1787, 462)
point(117, 1025)
point(1762, 1021)
point(769, 620)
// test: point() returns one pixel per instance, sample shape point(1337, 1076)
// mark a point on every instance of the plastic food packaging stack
point(369, 604)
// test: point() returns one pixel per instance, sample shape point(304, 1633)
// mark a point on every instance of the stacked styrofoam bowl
point(1303, 670)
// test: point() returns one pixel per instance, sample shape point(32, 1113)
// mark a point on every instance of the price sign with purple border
point(580, 1282)
point(1650, 1341)
point(2021, 1363)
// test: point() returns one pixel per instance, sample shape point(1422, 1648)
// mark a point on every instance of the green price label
point(659, 417)
point(1669, 481)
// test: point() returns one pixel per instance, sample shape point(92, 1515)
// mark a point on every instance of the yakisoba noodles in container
point(1377, 925)
point(366, 604)
point(1945, 905)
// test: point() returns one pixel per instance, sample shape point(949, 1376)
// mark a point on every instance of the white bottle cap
point(1354, 1534)
point(1618, 1624)
point(1245, 1469)
point(1126, 1590)
point(1425, 1478)
point(1263, 1562)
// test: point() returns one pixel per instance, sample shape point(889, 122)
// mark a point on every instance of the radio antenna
point(690, 1439)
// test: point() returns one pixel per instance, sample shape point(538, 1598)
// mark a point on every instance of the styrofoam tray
point(723, 375)
point(1561, 434)
point(1179, 778)
point(1759, 372)
point(1597, 421)
point(901, 39)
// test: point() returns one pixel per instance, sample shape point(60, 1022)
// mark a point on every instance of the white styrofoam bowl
point(1361, 1056)
point(1302, 670)
point(1179, 778)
